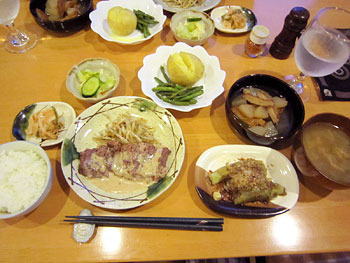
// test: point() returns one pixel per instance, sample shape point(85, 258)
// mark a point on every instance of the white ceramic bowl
point(99, 22)
point(181, 17)
point(212, 80)
point(25, 146)
point(94, 64)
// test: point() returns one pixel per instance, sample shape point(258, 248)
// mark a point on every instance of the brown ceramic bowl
point(303, 164)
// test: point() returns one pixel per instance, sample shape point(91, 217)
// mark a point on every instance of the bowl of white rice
point(25, 178)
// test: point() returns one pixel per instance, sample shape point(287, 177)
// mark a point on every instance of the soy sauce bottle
point(294, 23)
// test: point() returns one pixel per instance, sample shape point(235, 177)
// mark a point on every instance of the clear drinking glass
point(17, 41)
point(322, 48)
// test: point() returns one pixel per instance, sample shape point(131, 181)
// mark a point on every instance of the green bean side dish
point(143, 21)
point(175, 94)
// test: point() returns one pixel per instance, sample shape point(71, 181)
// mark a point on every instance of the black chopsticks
point(183, 223)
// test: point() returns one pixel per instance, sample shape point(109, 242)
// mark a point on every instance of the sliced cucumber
point(90, 87)
point(107, 85)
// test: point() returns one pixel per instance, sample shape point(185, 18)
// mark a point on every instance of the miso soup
point(327, 147)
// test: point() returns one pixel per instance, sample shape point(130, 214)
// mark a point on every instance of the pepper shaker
point(294, 23)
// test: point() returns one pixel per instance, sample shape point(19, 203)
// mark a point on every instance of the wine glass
point(322, 48)
point(17, 41)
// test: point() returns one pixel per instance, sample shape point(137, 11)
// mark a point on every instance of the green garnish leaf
point(69, 153)
point(155, 188)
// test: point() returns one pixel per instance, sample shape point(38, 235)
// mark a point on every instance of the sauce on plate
point(117, 185)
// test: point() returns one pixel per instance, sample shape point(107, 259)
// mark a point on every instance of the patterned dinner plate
point(126, 194)
point(279, 170)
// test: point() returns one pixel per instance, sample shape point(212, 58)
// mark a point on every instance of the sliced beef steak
point(142, 161)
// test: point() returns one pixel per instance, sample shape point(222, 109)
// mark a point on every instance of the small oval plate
point(218, 12)
point(279, 168)
point(66, 115)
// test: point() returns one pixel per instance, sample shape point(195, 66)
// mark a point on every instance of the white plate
point(99, 22)
point(212, 79)
point(93, 120)
point(279, 169)
point(207, 5)
point(218, 12)
point(66, 115)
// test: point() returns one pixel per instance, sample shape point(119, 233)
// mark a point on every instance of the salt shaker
point(256, 42)
point(294, 23)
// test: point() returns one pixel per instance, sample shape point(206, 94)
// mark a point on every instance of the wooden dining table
point(318, 223)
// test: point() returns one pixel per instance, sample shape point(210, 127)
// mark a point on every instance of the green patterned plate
point(80, 137)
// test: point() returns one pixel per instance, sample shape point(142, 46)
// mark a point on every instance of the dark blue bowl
point(66, 26)
point(294, 111)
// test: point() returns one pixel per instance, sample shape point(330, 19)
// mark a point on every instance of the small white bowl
point(26, 146)
point(99, 23)
point(94, 64)
point(182, 16)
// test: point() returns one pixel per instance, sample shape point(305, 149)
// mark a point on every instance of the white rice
point(23, 175)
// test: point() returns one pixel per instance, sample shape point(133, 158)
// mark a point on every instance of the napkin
point(336, 86)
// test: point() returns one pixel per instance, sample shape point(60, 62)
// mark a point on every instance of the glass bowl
point(180, 19)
